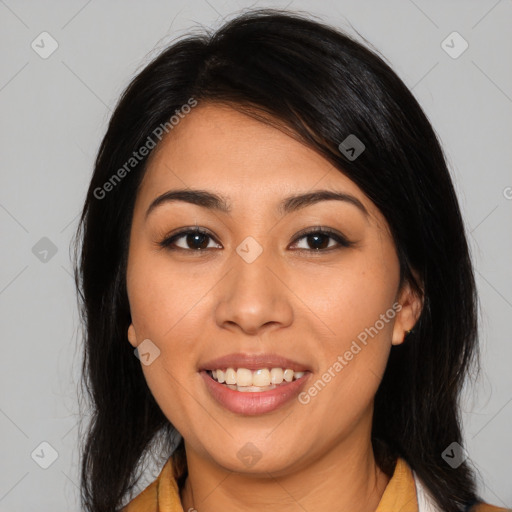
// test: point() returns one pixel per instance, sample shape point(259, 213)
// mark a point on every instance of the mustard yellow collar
point(400, 495)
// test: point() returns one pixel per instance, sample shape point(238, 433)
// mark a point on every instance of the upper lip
point(253, 362)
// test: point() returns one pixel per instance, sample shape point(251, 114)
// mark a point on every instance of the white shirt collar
point(426, 502)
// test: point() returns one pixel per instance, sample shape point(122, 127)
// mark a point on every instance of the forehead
point(218, 148)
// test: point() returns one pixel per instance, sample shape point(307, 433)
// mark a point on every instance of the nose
point(254, 296)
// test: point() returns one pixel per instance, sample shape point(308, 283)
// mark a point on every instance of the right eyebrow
point(201, 198)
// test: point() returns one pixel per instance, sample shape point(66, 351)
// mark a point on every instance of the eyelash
point(167, 242)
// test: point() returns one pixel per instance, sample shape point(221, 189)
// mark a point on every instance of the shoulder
point(161, 494)
point(146, 501)
point(485, 507)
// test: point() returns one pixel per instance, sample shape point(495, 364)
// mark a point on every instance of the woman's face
point(258, 286)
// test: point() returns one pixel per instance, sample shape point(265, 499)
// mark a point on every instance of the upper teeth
point(260, 378)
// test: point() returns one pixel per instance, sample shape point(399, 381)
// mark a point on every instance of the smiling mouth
point(249, 381)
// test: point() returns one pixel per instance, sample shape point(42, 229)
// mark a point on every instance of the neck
point(345, 475)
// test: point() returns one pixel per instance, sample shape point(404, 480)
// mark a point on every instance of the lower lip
point(252, 403)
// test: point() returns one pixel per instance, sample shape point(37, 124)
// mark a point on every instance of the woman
point(275, 278)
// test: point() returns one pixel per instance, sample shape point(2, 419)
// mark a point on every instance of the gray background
point(53, 114)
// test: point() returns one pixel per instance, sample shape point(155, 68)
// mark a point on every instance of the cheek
point(162, 312)
point(353, 298)
point(163, 298)
point(174, 394)
point(170, 377)
point(359, 308)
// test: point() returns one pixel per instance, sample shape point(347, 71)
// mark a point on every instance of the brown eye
point(194, 240)
point(318, 240)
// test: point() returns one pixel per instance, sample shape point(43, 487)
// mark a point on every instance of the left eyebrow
point(294, 203)
point(290, 204)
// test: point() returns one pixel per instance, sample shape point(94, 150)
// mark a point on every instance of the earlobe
point(132, 337)
point(411, 306)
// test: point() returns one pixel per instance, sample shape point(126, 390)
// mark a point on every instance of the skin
point(303, 305)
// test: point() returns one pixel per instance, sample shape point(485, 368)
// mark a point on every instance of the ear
point(411, 306)
point(132, 336)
